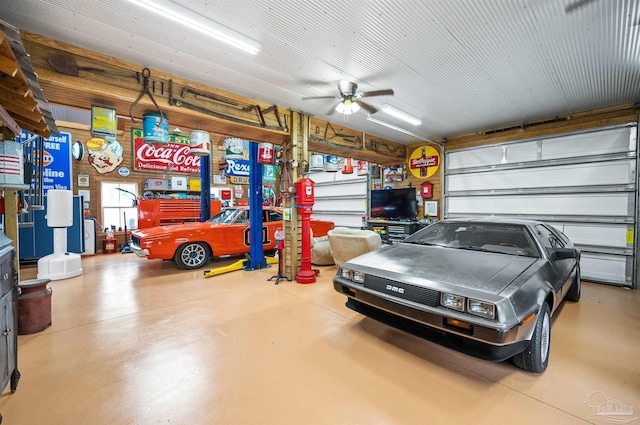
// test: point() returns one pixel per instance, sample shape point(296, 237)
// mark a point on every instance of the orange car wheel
point(192, 255)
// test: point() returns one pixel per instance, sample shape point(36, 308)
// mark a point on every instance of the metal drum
point(331, 165)
point(199, 143)
point(362, 168)
point(34, 306)
point(265, 153)
point(316, 162)
point(11, 163)
point(155, 129)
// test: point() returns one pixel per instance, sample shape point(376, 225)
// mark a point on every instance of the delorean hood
point(430, 265)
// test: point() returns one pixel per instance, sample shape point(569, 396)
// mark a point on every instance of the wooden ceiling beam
point(14, 85)
point(33, 114)
point(8, 121)
point(21, 96)
point(8, 66)
point(7, 96)
point(80, 93)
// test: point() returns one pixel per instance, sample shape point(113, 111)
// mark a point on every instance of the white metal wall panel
point(585, 184)
point(341, 198)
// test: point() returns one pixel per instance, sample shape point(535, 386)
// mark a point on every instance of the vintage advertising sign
point(176, 155)
point(238, 171)
point(104, 155)
point(424, 162)
point(56, 159)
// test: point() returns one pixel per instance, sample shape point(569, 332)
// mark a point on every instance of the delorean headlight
point(345, 273)
point(358, 277)
point(455, 302)
point(481, 308)
point(353, 275)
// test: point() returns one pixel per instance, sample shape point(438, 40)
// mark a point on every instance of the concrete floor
point(137, 341)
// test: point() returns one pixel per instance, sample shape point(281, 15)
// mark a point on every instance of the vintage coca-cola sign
point(176, 155)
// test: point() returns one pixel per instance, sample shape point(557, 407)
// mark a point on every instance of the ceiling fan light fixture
point(187, 18)
point(401, 115)
point(347, 107)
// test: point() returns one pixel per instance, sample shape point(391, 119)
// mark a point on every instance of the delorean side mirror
point(563, 253)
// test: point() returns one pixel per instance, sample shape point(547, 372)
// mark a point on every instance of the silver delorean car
point(484, 286)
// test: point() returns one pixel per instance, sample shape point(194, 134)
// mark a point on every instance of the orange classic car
point(191, 245)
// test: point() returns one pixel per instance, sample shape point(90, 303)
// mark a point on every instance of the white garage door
point(582, 183)
point(341, 198)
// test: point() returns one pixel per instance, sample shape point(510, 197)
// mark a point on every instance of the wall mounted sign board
point(104, 122)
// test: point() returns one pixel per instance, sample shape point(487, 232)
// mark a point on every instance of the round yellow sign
point(424, 162)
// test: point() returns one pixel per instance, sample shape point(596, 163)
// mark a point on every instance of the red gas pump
point(304, 202)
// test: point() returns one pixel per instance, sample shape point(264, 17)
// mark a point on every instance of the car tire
point(536, 356)
point(573, 294)
point(192, 255)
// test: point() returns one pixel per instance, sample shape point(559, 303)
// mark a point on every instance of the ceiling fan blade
point(578, 4)
point(320, 97)
point(331, 111)
point(366, 106)
point(387, 92)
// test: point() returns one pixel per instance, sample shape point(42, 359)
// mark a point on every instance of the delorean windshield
point(509, 239)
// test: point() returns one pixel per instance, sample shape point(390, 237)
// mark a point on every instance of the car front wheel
point(536, 357)
point(192, 255)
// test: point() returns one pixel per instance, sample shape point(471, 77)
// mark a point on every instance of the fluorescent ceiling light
point(396, 128)
point(347, 107)
point(401, 115)
point(187, 18)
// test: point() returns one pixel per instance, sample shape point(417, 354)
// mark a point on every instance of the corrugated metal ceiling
point(460, 66)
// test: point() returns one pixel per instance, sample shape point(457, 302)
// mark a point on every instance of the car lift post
point(256, 250)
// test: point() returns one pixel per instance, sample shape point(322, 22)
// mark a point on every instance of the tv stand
point(393, 231)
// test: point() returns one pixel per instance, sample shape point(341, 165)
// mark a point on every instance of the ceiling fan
point(350, 98)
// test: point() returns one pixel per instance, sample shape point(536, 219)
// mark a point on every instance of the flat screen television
point(394, 204)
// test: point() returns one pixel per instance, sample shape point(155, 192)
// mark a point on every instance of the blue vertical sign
point(56, 173)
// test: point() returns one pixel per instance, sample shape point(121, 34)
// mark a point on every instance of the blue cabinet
point(36, 241)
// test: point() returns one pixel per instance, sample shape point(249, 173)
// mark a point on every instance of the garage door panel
point(585, 184)
point(341, 198)
point(587, 144)
point(591, 174)
point(604, 235)
point(606, 204)
point(346, 220)
point(605, 268)
point(572, 146)
point(343, 205)
point(491, 156)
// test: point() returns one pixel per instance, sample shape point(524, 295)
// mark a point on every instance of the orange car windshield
point(227, 216)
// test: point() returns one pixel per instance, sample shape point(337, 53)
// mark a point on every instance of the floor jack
point(238, 265)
